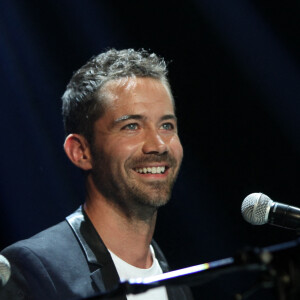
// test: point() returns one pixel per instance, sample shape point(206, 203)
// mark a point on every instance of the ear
point(78, 150)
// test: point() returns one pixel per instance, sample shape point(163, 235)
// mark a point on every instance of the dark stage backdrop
point(234, 70)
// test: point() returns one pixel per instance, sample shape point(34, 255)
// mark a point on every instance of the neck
point(120, 231)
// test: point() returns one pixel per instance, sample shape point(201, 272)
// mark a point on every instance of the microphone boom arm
point(256, 259)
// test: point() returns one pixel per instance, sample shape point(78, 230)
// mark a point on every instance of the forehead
point(137, 95)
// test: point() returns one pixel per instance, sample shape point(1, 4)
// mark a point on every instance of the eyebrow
point(139, 117)
point(169, 117)
point(128, 117)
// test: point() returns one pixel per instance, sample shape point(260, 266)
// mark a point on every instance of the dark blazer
point(68, 261)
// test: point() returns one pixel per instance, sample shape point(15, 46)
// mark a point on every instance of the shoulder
point(43, 266)
point(52, 249)
point(52, 238)
point(33, 258)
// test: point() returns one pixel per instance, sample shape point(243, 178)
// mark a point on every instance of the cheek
point(176, 148)
point(121, 150)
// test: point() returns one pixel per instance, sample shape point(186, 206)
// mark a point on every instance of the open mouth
point(151, 170)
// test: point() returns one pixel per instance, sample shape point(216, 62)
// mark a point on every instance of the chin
point(155, 202)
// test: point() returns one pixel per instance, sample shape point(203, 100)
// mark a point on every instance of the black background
point(234, 71)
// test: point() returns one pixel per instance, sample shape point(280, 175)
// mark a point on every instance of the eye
point(167, 126)
point(131, 126)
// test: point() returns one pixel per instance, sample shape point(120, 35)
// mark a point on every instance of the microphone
point(4, 270)
point(259, 209)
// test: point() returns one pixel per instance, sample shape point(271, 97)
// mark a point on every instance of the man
point(121, 131)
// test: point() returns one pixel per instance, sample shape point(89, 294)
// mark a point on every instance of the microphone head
point(256, 208)
point(4, 270)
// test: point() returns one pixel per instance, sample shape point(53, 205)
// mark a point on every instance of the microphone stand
point(282, 272)
point(256, 259)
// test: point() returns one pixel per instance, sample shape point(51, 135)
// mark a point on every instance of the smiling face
point(136, 152)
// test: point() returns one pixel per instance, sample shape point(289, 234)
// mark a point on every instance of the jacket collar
point(103, 271)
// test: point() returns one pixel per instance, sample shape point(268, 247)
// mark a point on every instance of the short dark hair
point(83, 105)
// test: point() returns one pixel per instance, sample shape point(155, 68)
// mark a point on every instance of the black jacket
point(68, 261)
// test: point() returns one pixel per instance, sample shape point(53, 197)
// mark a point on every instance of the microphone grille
point(4, 270)
point(255, 208)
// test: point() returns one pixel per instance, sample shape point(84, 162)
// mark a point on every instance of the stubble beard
point(135, 198)
point(153, 194)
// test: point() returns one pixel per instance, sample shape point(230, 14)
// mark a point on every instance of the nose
point(154, 144)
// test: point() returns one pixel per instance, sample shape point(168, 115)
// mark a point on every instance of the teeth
point(152, 170)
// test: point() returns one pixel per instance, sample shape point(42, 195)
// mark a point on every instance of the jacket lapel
point(103, 271)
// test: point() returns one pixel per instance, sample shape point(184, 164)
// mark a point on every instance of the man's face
point(136, 151)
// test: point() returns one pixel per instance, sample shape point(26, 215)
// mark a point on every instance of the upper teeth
point(153, 170)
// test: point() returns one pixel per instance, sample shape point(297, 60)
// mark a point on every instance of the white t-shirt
point(127, 271)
